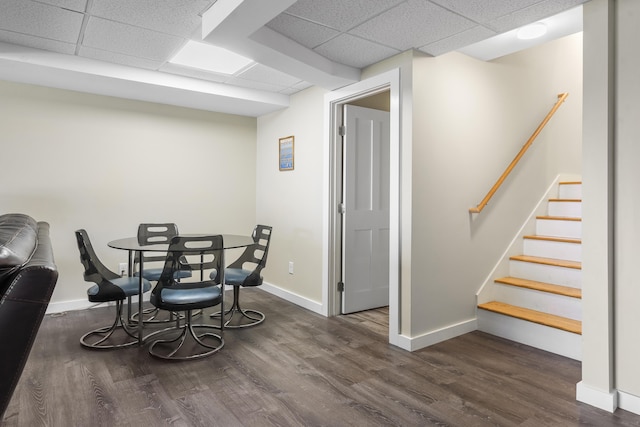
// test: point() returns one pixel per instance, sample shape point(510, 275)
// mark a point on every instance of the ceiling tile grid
point(357, 33)
point(355, 51)
point(307, 33)
point(40, 20)
point(423, 22)
point(125, 39)
point(176, 17)
point(76, 5)
point(340, 14)
point(37, 42)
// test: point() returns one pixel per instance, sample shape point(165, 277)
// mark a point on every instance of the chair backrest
point(152, 233)
point(94, 270)
point(194, 253)
point(255, 254)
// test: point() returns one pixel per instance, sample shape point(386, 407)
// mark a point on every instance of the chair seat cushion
point(120, 288)
point(188, 296)
point(233, 276)
point(153, 274)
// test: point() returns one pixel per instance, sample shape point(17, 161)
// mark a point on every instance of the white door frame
point(389, 80)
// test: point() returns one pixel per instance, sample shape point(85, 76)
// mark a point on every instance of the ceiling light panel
point(211, 58)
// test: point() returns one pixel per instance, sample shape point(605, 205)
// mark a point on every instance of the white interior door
point(365, 254)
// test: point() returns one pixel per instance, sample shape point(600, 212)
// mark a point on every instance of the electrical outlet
point(290, 267)
point(122, 269)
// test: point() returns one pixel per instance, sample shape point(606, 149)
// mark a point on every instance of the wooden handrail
point(514, 162)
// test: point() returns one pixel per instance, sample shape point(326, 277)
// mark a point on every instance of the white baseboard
point(296, 299)
point(605, 400)
point(439, 335)
point(83, 304)
point(629, 402)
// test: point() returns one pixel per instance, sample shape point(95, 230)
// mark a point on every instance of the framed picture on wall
point(286, 147)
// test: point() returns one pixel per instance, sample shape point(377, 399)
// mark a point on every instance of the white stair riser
point(545, 302)
point(568, 209)
point(559, 228)
point(543, 337)
point(546, 273)
point(550, 249)
point(570, 191)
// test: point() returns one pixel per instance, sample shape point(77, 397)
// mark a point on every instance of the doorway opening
point(381, 92)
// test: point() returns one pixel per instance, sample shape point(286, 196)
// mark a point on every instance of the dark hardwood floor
point(299, 369)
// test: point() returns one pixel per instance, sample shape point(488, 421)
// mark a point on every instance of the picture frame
point(286, 150)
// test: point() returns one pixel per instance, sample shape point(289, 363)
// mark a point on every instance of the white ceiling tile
point(176, 17)
point(340, 14)
point(37, 42)
point(77, 5)
point(478, 11)
point(129, 40)
point(531, 14)
point(304, 32)
point(354, 51)
point(422, 23)
point(116, 58)
point(40, 20)
point(263, 73)
point(457, 41)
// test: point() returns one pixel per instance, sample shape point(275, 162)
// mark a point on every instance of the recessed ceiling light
point(532, 31)
point(208, 57)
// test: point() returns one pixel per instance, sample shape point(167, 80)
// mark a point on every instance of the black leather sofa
point(28, 276)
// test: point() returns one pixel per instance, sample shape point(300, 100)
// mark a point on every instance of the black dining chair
point(239, 274)
point(109, 287)
point(205, 253)
point(153, 262)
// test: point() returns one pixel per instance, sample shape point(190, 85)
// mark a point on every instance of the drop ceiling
point(123, 47)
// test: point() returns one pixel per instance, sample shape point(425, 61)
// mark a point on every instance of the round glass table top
point(231, 241)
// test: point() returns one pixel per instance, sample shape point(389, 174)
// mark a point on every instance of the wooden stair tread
point(554, 239)
point(558, 322)
point(541, 286)
point(558, 218)
point(548, 261)
point(566, 200)
point(570, 183)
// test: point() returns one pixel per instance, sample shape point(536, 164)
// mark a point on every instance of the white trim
point(439, 335)
point(293, 298)
point(605, 400)
point(83, 304)
point(391, 80)
point(484, 294)
point(629, 402)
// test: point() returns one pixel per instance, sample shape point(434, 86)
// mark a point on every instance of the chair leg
point(154, 313)
point(105, 333)
point(255, 317)
point(188, 335)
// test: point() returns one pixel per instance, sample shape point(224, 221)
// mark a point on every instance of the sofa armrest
point(22, 308)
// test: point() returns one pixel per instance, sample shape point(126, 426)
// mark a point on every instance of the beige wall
point(470, 119)
point(105, 164)
point(291, 201)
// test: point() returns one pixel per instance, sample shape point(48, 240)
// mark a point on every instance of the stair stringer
point(486, 292)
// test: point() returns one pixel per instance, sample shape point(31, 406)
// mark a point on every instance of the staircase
point(539, 302)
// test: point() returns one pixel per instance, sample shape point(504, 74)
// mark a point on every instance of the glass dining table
point(133, 246)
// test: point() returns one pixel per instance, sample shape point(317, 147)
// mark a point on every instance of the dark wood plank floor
point(299, 369)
